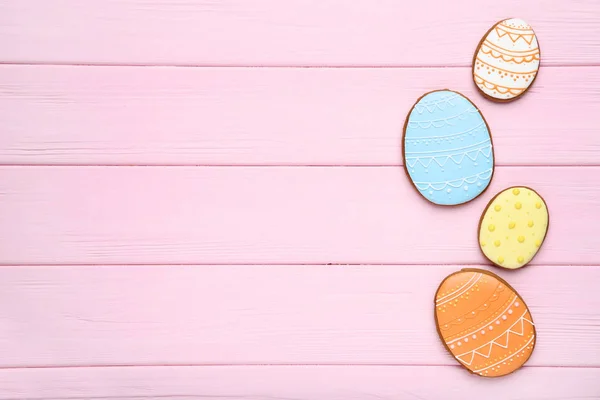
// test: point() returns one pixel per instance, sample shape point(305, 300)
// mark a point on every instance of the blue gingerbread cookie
point(448, 152)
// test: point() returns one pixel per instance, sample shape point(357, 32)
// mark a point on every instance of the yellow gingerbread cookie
point(513, 227)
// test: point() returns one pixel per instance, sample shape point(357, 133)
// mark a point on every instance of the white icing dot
point(452, 346)
point(449, 190)
point(459, 343)
point(478, 183)
point(510, 311)
point(491, 328)
point(497, 322)
point(474, 336)
point(517, 304)
point(466, 340)
point(504, 317)
point(483, 332)
point(413, 170)
point(466, 187)
point(431, 192)
point(473, 312)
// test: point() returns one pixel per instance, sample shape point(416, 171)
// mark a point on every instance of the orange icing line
point(490, 85)
point(505, 70)
point(526, 37)
point(520, 53)
point(508, 58)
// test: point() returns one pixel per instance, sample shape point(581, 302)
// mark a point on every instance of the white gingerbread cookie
point(507, 60)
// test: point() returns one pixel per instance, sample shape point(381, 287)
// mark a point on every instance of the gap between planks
point(216, 165)
point(267, 365)
point(276, 264)
point(273, 66)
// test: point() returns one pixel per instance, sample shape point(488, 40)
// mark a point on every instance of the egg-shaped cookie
point(513, 227)
point(507, 60)
point(448, 152)
point(484, 323)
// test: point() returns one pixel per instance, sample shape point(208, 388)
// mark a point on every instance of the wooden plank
point(267, 314)
point(295, 382)
point(294, 32)
point(240, 215)
point(283, 116)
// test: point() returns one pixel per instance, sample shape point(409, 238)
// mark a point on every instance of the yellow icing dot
point(520, 259)
point(521, 239)
point(516, 192)
point(482, 243)
point(518, 205)
point(511, 225)
point(498, 208)
point(491, 228)
point(500, 259)
point(538, 243)
point(497, 243)
point(538, 205)
point(530, 224)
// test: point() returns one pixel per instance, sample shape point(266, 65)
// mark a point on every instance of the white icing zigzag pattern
point(468, 361)
point(456, 155)
point(448, 138)
point(441, 104)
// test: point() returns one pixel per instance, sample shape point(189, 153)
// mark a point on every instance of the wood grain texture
point(214, 215)
point(295, 382)
point(268, 314)
point(282, 116)
point(294, 32)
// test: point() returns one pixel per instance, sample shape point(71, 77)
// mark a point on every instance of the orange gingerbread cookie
point(484, 323)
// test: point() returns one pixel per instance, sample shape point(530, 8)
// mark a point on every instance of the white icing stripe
point(459, 182)
point(446, 136)
point(445, 151)
point(483, 345)
point(485, 326)
point(501, 361)
point(457, 294)
point(439, 104)
point(450, 294)
point(439, 101)
point(430, 123)
point(502, 313)
point(471, 155)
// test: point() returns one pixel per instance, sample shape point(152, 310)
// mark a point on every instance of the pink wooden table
point(205, 199)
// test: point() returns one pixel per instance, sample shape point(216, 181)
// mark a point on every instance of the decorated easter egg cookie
point(513, 227)
point(448, 152)
point(484, 323)
point(507, 60)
